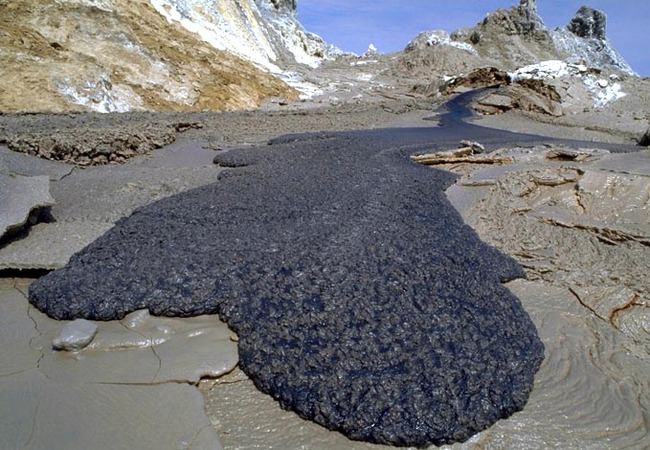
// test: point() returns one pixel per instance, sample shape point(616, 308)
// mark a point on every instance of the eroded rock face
point(360, 299)
point(122, 56)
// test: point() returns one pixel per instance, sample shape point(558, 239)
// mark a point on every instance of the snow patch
point(101, 95)
point(364, 62)
point(440, 37)
point(364, 77)
point(602, 91)
point(295, 80)
point(547, 70)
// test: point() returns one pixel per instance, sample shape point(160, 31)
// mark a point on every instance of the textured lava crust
point(361, 299)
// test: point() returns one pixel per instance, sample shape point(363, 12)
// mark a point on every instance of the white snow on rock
point(255, 31)
point(597, 52)
point(372, 51)
point(364, 62)
point(224, 25)
point(603, 91)
point(307, 89)
point(439, 37)
point(100, 95)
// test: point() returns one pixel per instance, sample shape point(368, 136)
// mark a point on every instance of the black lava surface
point(361, 299)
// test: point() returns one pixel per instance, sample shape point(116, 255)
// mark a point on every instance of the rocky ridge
point(516, 37)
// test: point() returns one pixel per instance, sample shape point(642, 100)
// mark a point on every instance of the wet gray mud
point(361, 300)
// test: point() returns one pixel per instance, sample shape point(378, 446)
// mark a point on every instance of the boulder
point(75, 335)
point(644, 140)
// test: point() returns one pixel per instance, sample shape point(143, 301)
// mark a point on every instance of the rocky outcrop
point(288, 5)
point(510, 37)
point(517, 37)
point(589, 23)
point(585, 38)
point(479, 78)
point(530, 95)
point(525, 94)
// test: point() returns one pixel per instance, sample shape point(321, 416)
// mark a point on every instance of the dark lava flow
point(361, 299)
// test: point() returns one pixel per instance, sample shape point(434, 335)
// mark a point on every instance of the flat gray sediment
point(360, 298)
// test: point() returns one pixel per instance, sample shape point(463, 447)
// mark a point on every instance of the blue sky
point(390, 24)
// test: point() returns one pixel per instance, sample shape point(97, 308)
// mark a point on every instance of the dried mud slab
point(360, 299)
point(114, 393)
point(577, 219)
point(21, 199)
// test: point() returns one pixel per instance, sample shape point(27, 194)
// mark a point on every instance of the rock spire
point(589, 23)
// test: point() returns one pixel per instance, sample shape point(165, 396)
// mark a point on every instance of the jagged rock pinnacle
point(589, 23)
point(290, 5)
point(528, 5)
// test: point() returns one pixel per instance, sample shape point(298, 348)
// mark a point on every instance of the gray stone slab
point(129, 388)
point(20, 197)
point(39, 413)
point(90, 200)
point(50, 246)
point(21, 164)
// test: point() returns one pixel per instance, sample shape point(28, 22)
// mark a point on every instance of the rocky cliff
point(265, 32)
point(123, 55)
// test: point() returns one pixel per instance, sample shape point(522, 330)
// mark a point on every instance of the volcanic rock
point(360, 299)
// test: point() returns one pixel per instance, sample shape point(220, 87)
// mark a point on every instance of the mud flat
point(585, 291)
